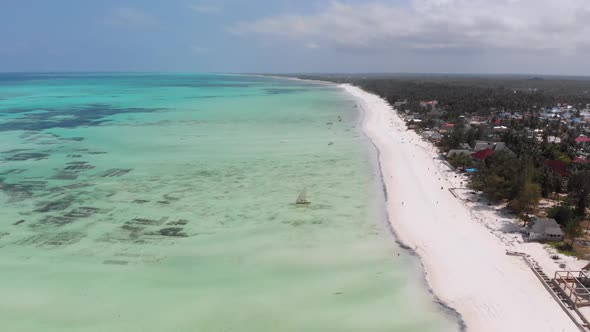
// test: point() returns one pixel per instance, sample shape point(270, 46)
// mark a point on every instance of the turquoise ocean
point(160, 202)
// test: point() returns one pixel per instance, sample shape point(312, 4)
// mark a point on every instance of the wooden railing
point(553, 288)
point(574, 287)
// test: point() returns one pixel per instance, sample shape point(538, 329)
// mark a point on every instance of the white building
point(545, 229)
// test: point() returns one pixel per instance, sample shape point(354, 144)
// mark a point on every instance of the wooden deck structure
point(575, 285)
point(557, 289)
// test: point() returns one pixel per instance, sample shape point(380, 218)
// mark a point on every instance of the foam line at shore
point(464, 263)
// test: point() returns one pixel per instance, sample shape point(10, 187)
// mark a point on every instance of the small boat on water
point(301, 199)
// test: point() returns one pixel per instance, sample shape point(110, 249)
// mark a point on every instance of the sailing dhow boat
point(301, 200)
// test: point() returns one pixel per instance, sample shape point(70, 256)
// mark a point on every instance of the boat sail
point(301, 200)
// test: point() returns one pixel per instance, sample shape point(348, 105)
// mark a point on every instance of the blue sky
point(454, 36)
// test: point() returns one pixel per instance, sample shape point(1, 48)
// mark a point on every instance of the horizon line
point(372, 73)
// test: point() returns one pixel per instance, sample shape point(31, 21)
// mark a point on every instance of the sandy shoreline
point(464, 257)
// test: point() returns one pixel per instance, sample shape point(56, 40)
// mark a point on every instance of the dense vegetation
point(476, 95)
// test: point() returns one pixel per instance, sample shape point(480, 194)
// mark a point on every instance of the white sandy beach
point(463, 251)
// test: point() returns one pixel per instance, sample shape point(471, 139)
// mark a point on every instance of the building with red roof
point(446, 128)
point(558, 166)
point(483, 154)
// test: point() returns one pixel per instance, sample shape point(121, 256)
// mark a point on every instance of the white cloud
point(312, 45)
point(131, 17)
point(438, 25)
point(205, 8)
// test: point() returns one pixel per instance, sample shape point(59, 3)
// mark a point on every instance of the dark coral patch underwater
point(70, 117)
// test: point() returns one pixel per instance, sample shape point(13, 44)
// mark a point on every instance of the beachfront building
point(433, 136)
point(496, 146)
point(545, 229)
point(413, 124)
point(398, 104)
point(459, 152)
point(446, 128)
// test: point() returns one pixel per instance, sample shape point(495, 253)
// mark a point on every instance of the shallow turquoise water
point(166, 203)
